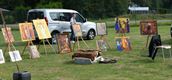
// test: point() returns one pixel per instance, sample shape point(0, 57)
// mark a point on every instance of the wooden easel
point(78, 45)
point(45, 49)
point(103, 37)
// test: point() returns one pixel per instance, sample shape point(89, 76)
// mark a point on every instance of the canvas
point(33, 51)
point(101, 29)
point(8, 36)
point(148, 27)
point(122, 25)
point(123, 43)
point(26, 31)
point(41, 29)
point(64, 43)
point(15, 56)
point(2, 60)
point(102, 45)
point(77, 30)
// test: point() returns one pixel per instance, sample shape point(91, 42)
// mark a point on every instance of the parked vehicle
point(58, 21)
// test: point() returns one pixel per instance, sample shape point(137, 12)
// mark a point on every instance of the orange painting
point(77, 30)
point(8, 36)
point(26, 31)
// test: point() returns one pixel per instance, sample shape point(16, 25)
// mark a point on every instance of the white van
point(58, 21)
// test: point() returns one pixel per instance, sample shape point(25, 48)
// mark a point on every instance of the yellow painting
point(41, 29)
point(26, 31)
point(8, 36)
point(77, 30)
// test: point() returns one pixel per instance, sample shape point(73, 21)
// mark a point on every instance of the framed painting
point(15, 56)
point(102, 45)
point(33, 52)
point(41, 29)
point(2, 60)
point(148, 27)
point(101, 29)
point(123, 43)
point(122, 25)
point(8, 36)
point(77, 30)
point(26, 31)
point(64, 43)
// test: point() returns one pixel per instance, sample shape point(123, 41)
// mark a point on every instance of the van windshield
point(35, 15)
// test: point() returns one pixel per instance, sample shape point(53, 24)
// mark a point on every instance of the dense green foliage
point(89, 8)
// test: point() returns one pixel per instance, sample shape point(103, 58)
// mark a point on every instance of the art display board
point(41, 29)
point(33, 52)
point(77, 30)
point(15, 56)
point(8, 36)
point(78, 34)
point(123, 43)
point(102, 45)
point(64, 43)
point(101, 29)
point(26, 31)
point(148, 27)
point(2, 59)
point(122, 25)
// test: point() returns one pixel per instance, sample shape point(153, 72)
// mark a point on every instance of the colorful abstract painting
point(123, 43)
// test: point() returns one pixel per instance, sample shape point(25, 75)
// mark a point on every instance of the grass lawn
point(132, 65)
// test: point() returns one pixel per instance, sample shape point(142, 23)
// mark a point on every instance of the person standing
point(72, 21)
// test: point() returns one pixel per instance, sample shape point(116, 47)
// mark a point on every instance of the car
point(58, 21)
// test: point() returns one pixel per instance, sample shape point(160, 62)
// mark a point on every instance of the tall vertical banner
point(41, 29)
point(26, 31)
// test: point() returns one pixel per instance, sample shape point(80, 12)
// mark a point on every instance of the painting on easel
point(122, 25)
point(15, 56)
point(42, 29)
point(33, 51)
point(123, 43)
point(2, 60)
point(26, 31)
point(77, 30)
point(64, 43)
point(8, 36)
point(101, 29)
point(148, 27)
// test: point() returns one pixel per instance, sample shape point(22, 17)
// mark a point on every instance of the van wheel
point(91, 35)
point(53, 39)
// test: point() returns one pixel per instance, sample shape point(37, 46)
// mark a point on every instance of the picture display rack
point(43, 33)
point(78, 34)
point(102, 32)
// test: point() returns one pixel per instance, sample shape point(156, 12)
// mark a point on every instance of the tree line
point(89, 8)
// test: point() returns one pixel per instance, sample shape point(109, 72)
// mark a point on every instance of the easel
point(43, 33)
point(78, 34)
point(45, 49)
point(103, 37)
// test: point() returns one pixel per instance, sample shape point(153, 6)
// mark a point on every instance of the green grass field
point(132, 65)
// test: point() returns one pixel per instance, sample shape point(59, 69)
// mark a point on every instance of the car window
point(65, 16)
point(79, 18)
point(35, 15)
point(55, 16)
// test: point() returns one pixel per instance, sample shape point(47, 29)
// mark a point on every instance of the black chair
point(155, 41)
